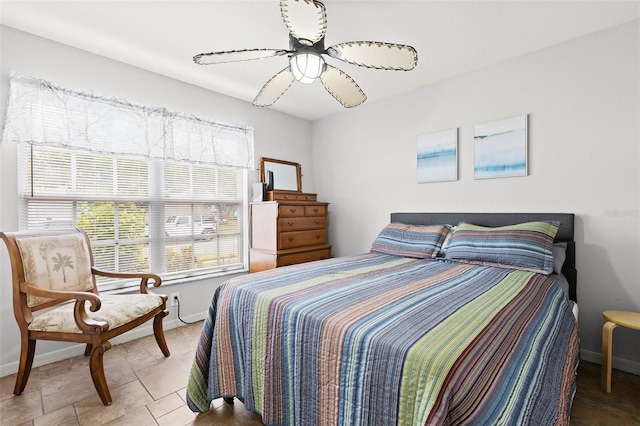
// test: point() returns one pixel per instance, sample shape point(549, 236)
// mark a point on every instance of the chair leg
point(27, 351)
point(97, 372)
point(87, 349)
point(607, 341)
point(158, 332)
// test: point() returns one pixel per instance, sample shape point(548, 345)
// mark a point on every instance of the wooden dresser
point(288, 230)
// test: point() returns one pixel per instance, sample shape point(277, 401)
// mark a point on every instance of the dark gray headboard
point(565, 231)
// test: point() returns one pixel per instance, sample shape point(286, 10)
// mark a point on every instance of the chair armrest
point(62, 295)
point(80, 316)
point(144, 277)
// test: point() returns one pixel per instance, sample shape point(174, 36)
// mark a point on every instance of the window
point(180, 213)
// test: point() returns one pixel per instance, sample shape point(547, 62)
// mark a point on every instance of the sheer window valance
point(42, 113)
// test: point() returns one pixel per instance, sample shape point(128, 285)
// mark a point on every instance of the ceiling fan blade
point(305, 19)
point(342, 87)
point(374, 54)
point(236, 56)
point(274, 88)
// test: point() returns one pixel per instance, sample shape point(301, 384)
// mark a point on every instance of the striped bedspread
point(377, 339)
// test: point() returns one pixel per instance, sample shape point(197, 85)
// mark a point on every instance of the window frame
point(156, 263)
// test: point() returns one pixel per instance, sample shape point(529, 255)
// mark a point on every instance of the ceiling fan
point(306, 21)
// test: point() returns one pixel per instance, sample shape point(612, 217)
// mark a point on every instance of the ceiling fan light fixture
point(306, 67)
point(306, 21)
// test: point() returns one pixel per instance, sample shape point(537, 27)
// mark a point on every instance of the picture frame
point(437, 156)
point(500, 148)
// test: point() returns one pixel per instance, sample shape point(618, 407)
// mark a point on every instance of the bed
point(451, 318)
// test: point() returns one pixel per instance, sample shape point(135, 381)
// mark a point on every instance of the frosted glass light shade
point(306, 67)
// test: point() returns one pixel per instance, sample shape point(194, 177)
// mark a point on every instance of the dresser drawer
point(307, 256)
point(317, 210)
point(291, 196)
point(294, 239)
point(300, 223)
point(290, 210)
point(307, 197)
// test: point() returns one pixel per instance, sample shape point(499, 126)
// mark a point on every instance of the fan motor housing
point(302, 45)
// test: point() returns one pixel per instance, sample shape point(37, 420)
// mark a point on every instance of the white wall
point(276, 135)
point(582, 98)
point(583, 102)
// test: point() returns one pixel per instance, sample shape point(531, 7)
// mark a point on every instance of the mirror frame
point(298, 172)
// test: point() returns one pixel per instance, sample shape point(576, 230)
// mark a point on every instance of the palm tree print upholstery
point(56, 263)
point(61, 262)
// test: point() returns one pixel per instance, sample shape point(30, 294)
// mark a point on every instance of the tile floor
point(148, 389)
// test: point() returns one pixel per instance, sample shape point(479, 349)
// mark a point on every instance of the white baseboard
point(78, 349)
point(617, 363)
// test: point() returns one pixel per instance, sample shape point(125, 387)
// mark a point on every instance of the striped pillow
point(422, 242)
point(526, 246)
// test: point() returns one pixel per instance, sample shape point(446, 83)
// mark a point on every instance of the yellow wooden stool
point(613, 319)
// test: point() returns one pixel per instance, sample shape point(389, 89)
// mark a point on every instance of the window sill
point(134, 284)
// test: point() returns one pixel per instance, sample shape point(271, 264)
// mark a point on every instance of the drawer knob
point(315, 210)
point(318, 236)
point(292, 210)
point(317, 222)
point(290, 223)
point(290, 238)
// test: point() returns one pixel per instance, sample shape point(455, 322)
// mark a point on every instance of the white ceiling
point(451, 37)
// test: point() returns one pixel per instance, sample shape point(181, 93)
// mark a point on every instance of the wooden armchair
point(53, 279)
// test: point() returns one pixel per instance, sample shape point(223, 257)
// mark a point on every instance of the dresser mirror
point(287, 176)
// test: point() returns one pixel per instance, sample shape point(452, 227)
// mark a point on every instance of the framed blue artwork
point(500, 148)
point(438, 156)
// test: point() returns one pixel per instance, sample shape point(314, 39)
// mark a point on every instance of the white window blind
point(154, 190)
